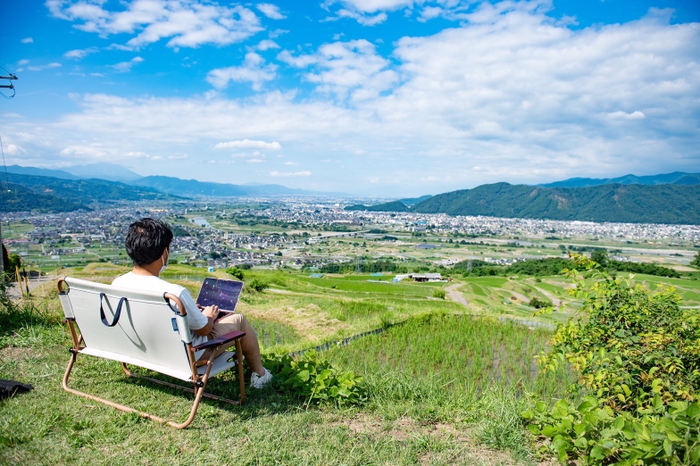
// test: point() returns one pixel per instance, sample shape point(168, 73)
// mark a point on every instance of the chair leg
point(118, 406)
point(199, 392)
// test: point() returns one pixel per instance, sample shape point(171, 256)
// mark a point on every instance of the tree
point(696, 261)
point(10, 261)
point(600, 256)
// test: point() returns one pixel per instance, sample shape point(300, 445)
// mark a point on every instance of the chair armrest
point(223, 339)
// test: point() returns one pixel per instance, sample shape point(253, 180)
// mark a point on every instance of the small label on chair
point(174, 324)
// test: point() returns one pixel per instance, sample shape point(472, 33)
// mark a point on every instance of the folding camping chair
point(142, 329)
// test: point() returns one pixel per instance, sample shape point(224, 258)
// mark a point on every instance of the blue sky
point(369, 97)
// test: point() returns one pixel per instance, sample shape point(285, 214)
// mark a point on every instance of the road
point(454, 295)
point(15, 293)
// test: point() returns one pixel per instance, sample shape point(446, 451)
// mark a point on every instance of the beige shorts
point(226, 324)
point(221, 327)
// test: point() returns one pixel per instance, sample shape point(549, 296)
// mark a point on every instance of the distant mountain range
point(45, 190)
point(669, 178)
point(634, 203)
point(670, 198)
point(196, 188)
point(51, 194)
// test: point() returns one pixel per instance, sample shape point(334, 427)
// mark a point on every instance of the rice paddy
point(463, 354)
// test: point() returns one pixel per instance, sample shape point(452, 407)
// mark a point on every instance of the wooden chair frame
point(199, 381)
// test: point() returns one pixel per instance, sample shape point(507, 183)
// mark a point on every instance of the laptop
point(222, 293)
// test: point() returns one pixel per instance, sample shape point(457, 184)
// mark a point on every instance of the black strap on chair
point(117, 314)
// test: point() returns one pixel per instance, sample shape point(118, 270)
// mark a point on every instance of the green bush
point(310, 377)
point(439, 293)
point(235, 272)
point(539, 303)
point(258, 285)
point(637, 354)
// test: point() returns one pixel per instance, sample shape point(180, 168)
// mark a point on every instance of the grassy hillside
point(607, 203)
point(445, 381)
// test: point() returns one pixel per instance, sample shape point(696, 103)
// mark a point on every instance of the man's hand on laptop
point(210, 311)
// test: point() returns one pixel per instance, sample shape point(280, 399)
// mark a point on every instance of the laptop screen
point(222, 293)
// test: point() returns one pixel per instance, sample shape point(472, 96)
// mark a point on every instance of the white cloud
point(185, 23)
point(137, 155)
point(253, 70)
point(620, 115)
point(363, 19)
point(289, 174)
point(177, 156)
point(12, 149)
point(27, 40)
point(291, 163)
point(79, 54)
point(371, 6)
point(344, 68)
point(44, 67)
point(248, 144)
point(23, 62)
point(267, 44)
point(270, 10)
point(125, 66)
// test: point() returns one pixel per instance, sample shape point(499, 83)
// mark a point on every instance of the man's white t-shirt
point(195, 318)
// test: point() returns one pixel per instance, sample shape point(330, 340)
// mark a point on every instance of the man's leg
point(249, 343)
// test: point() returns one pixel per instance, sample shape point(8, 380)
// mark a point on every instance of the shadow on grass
point(106, 379)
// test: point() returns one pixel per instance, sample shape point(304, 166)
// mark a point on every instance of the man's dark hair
point(147, 239)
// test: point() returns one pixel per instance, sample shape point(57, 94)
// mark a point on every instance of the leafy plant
point(637, 353)
point(311, 377)
point(439, 293)
point(258, 285)
point(598, 435)
point(235, 272)
point(540, 303)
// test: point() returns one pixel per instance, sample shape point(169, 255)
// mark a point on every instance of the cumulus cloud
point(248, 144)
point(13, 149)
point(620, 115)
point(344, 68)
point(79, 54)
point(270, 10)
point(288, 174)
point(253, 70)
point(185, 23)
point(44, 67)
point(267, 44)
point(27, 40)
point(291, 163)
point(126, 66)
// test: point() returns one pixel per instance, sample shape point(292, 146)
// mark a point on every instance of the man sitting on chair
point(148, 245)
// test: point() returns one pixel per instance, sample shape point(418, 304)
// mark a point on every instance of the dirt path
point(556, 302)
point(456, 295)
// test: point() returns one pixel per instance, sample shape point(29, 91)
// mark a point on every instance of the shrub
point(636, 353)
point(258, 285)
point(439, 293)
point(311, 377)
point(539, 303)
point(235, 272)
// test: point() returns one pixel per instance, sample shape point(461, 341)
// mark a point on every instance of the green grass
point(442, 388)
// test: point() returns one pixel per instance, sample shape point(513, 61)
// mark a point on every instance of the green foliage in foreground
point(314, 379)
point(597, 434)
point(638, 354)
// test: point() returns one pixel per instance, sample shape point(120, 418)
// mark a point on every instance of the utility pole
point(2, 257)
point(10, 78)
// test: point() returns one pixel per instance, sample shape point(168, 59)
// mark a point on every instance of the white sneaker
point(258, 381)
